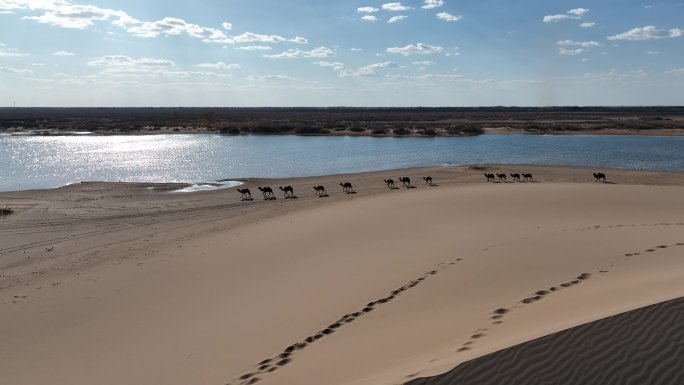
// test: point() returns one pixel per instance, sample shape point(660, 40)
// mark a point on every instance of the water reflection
point(45, 161)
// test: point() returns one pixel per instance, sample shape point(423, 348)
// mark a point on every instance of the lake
point(31, 162)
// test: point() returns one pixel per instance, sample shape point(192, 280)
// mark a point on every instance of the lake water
point(30, 162)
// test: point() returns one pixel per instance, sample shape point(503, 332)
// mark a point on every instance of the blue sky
point(347, 53)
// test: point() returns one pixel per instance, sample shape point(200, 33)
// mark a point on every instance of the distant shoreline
point(366, 133)
point(395, 122)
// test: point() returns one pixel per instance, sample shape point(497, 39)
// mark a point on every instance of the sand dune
point(126, 285)
point(643, 346)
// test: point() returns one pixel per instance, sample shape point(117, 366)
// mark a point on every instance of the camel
point(288, 190)
point(389, 182)
point(405, 181)
point(600, 176)
point(320, 191)
point(527, 177)
point(428, 180)
point(246, 195)
point(490, 177)
point(347, 187)
point(267, 192)
point(502, 177)
point(516, 177)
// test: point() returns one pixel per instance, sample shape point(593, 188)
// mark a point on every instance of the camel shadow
point(433, 185)
point(248, 199)
point(352, 192)
point(270, 199)
point(610, 182)
point(411, 187)
point(394, 188)
point(291, 197)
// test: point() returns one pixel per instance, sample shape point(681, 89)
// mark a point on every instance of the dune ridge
point(643, 346)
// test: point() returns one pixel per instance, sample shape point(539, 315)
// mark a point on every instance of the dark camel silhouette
point(428, 180)
point(405, 181)
point(490, 177)
point(527, 177)
point(320, 191)
point(267, 192)
point(389, 182)
point(502, 177)
point(246, 195)
point(288, 190)
point(600, 176)
point(516, 177)
point(347, 187)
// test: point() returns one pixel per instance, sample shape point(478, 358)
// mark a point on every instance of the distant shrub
point(357, 129)
point(311, 130)
point(401, 131)
point(229, 130)
point(272, 128)
point(428, 132)
point(472, 131)
point(6, 211)
point(379, 131)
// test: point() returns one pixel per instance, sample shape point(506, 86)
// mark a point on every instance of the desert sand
point(107, 283)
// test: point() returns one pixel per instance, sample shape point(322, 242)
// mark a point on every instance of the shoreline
point(20, 132)
point(176, 186)
point(399, 284)
point(341, 121)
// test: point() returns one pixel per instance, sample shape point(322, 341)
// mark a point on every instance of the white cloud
point(441, 77)
point(430, 4)
point(254, 48)
point(677, 71)
point(578, 12)
point(334, 65)
point(296, 53)
point(63, 53)
point(121, 65)
point(369, 70)
point(173, 26)
point(653, 53)
point(63, 13)
point(572, 14)
point(370, 18)
point(366, 10)
point(220, 66)
point(299, 40)
point(448, 17)
point(9, 52)
point(587, 25)
point(572, 52)
point(355, 49)
point(12, 54)
point(250, 37)
point(417, 49)
point(557, 18)
point(395, 19)
point(395, 7)
point(16, 71)
point(423, 63)
point(279, 78)
point(585, 44)
point(648, 33)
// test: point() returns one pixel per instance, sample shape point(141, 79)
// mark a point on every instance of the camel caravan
point(503, 178)
point(348, 188)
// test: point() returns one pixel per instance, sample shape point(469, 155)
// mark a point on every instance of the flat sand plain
point(109, 283)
